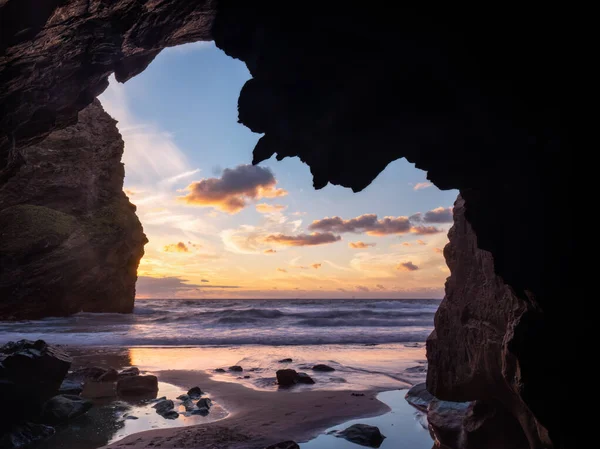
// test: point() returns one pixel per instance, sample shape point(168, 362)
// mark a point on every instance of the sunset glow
point(219, 227)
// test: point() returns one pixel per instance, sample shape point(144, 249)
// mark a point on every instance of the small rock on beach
point(362, 434)
point(323, 368)
point(194, 392)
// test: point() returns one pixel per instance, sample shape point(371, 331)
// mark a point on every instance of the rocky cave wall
point(470, 95)
point(69, 237)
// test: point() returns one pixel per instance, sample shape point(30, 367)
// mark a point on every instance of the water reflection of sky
point(400, 427)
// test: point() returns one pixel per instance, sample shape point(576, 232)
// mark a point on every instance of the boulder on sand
point(236, 368)
point(194, 392)
point(164, 406)
point(286, 377)
point(30, 374)
point(323, 368)
point(303, 378)
point(111, 375)
point(204, 403)
point(70, 387)
point(362, 434)
point(87, 373)
point(25, 435)
point(288, 360)
point(146, 386)
point(63, 408)
point(419, 397)
point(94, 389)
point(289, 377)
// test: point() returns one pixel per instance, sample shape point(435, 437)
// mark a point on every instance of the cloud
point(421, 242)
point(425, 230)
point(170, 286)
point(360, 245)
point(422, 185)
point(316, 265)
point(370, 224)
point(269, 251)
point(204, 280)
point(236, 186)
point(316, 238)
point(179, 247)
point(364, 223)
point(407, 266)
point(406, 244)
point(150, 152)
point(439, 215)
point(265, 208)
point(282, 270)
point(438, 250)
point(362, 288)
point(178, 177)
point(380, 287)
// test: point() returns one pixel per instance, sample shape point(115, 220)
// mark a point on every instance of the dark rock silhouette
point(63, 408)
point(362, 434)
point(469, 352)
point(63, 211)
point(348, 90)
point(323, 368)
point(30, 374)
point(145, 386)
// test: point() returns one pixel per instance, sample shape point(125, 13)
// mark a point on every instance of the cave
point(471, 95)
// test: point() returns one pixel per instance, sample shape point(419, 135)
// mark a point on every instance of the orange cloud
point(407, 266)
point(269, 251)
point(316, 238)
point(283, 270)
point(425, 230)
point(380, 287)
point(362, 288)
point(438, 250)
point(265, 208)
point(422, 185)
point(406, 244)
point(421, 242)
point(360, 245)
point(179, 247)
point(236, 186)
point(316, 265)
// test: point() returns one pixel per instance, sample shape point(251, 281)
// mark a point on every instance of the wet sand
point(257, 418)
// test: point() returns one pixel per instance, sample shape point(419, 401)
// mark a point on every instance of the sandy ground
point(257, 418)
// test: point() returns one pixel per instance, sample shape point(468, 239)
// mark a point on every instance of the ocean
point(178, 322)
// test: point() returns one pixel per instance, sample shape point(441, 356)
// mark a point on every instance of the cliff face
point(69, 237)
point(469, 351)
point(477, 98)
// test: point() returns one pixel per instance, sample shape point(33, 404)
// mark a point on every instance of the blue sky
point(179, 123)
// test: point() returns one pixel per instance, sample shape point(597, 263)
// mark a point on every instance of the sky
point(219, 227)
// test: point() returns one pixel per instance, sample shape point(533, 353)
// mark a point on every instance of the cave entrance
point(220, 228)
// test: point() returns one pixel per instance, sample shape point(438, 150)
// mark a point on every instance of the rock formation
point(70, 239)
point(469, 351)
point(477, 98)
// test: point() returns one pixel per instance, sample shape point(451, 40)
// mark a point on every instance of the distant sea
point(178, 322)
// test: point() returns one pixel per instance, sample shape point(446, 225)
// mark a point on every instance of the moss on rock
point(25, 228)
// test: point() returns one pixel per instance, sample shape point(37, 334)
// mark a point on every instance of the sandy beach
point(257, 418)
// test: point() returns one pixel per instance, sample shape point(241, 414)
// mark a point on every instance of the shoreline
point(257, 418)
